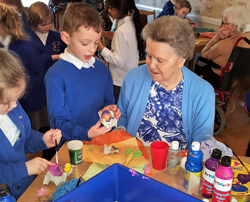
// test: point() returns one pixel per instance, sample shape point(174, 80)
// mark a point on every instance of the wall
point(207, 13)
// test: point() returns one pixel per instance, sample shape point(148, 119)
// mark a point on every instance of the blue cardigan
point(35, 97)
point(75, 96)
point(12, 159)
point(198, 103)
point(168, 9)
point(54, 45)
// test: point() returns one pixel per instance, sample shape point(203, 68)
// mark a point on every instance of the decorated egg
point(106, 115)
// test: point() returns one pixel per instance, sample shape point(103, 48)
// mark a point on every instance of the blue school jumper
point(35, 97)
point(12, 159)
point(75, 96)
point(168, 9)
point(54, 45)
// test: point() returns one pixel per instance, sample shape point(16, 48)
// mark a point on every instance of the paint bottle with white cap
point(193, 166)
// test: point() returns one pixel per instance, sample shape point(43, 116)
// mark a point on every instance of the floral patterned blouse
point(162, 119)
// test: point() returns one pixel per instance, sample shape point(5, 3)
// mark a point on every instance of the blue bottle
point(5, 194)
point(193, 166)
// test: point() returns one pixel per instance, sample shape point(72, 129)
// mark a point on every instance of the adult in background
point(219, 48)
point(163, 100)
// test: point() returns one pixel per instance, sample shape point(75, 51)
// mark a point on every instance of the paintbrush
point(238, 159)
point(79, 180)
point(56, 142)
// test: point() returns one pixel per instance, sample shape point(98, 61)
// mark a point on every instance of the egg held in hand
point(106, 115)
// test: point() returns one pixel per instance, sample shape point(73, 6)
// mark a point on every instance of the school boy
point(78, 85)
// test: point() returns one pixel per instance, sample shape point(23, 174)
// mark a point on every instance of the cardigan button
point(18, 187)
point(188, 132)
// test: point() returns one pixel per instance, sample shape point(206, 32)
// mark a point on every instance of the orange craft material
point(116, 136)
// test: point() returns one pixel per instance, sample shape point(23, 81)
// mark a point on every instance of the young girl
point(49, 42)
point(127, 45)
point(13, 38)
point(180, 9)
point(16, 136)
point(17, 4)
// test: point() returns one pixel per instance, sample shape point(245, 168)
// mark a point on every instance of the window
point(27, 3)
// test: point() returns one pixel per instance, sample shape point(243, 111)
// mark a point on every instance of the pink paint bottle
point(208, 175)
point(223, 181)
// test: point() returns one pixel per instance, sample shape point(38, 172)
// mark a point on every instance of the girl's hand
point(50, 136)
point(55, 57)
point(97, 130)
point(117, 112)
point(37, 165)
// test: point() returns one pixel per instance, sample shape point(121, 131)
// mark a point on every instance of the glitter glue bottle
point(193, 166)
point(223, 181)
point(208, 175)
point(174, 158)
point(5, 194)
point(114, 25)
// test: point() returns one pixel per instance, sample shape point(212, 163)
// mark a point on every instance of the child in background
point(17, 4)
point(49, 42)
point(78, 85)
point(181, 9)
point(127, 45)
point(100, 6)
point(107, 19)
point(14, 39)
point(168, 8)
point(16, 136)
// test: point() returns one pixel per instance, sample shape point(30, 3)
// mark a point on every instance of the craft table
point(31, 194)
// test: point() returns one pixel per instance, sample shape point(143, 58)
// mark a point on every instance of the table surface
point(31, 194)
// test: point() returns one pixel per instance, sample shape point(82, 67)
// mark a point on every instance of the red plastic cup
point(159, 151)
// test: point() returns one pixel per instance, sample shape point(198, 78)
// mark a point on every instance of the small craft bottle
point(114, 25)
point(208, 175)
point(5, 194)
point(193, 166)
point(174, 159)
point(223, 181)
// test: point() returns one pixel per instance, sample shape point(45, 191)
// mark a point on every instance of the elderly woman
point(221, 45)
point(163, 100)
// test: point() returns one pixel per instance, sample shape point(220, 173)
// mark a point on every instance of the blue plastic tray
point(121, 184)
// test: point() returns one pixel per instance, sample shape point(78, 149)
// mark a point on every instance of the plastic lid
point(175, 145)
point(216, 154)
point(195, 146)
point(4, 190)
point(226, 161)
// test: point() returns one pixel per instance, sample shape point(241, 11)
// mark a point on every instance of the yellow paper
point(96, 168)
point(239, 188)
point(94, 154)
point(93, 170)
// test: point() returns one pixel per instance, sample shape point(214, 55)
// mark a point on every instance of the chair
point(107, 37)
point(144, 16)
point(238, 60)
point(144, 12)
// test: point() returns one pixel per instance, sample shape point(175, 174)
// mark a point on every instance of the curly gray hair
point(174, 31)
point(237, 16)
